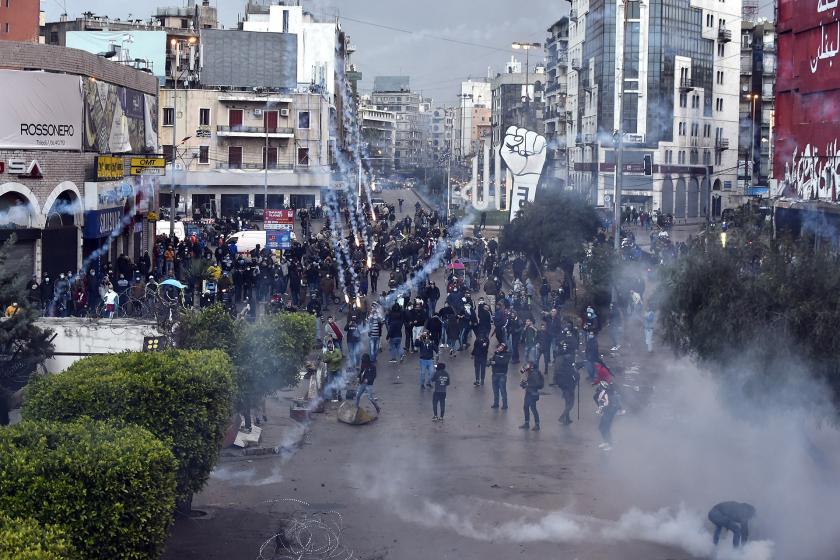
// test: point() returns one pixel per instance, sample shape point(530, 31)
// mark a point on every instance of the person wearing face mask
point(499, 363)
point(333, 359)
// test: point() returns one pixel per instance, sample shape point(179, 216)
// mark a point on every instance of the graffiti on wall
point(811, 175)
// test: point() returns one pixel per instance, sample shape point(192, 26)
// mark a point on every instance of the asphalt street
point(473, 486)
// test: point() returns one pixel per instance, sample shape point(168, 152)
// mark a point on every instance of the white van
point(162, 228)
point(247, 241)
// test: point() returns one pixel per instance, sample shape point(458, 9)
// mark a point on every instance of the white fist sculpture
point(523, 151)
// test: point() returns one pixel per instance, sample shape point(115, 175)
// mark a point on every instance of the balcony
point(573, 16)
point(721, 144)
point(254, 132)
point(251, 98)
point(686, 85)
point(576, 64)
point(255, 166)
point(724, 34)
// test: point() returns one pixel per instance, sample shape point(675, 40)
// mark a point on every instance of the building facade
point(473, 94)
point(516, 100)
point(556, 87)
point(805, 138)
point(65, 189)
point(378, 129)
point(680, 103)
point(20, 21)
point(406, 106)
point(758, 104)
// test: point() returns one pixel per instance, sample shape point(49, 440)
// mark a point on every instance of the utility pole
point(619, 141)
point(449, 175)
point(527, 48)
point(177, 47)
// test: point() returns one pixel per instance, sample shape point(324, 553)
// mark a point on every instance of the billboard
point(806, 157)
point(248, 59)
point(146, 45)
point(279, 225)
point(40, 110)
point(118, 120)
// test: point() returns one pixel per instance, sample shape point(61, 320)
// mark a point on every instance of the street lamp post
point(753, 97)
point(176, 44)
point(516, 45)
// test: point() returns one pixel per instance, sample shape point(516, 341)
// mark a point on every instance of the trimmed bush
point(26, 539)
point(110, 488)
point(182, 397)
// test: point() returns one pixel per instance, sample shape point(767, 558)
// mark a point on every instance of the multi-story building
point(57, 195)
point(678, 68)
point(554, 117)
point(517, 99)
point(378, 130)
point(473, 94)
point(758, 79)
point(406, 106)
point(442, 129)
point(20, 21)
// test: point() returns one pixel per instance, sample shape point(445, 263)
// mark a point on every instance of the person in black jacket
point(566, 377)
point(734, 516)
point(499, 363)
point(440, 381)
point(395, 327)
point(479, 352)
point(532, 382)
point(427, 349)
point(367, 375)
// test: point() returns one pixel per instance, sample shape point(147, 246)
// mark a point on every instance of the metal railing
point(254, 129)
point(254, 166)
point(724, 34)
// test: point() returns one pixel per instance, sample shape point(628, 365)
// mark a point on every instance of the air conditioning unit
point(284, 112)
point(258, 112)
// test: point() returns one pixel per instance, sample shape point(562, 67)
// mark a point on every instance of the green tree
point(554, 230)
point(771, 306)
point(23, 345)
point(109, 487)
point(26, 539)
point(185, 398)
point(267, 354)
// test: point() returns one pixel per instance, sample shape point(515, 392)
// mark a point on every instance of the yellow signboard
point(148, 171)
point(148, 162)
point(109, 168)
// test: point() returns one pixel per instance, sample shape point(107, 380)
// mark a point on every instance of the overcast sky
point(436, 66)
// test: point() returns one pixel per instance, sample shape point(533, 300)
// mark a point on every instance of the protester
point(532, 381)
point(734, 516)
point(499, 363)
point(441, 382)
point(367, 375)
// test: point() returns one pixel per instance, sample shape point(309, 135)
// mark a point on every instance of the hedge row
point(111, 487)
point(183, 398)
point(26, 539)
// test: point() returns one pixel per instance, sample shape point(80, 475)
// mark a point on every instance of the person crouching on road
point(367, 375)
point(499, 363)
point(532, 382)
point(440, 381)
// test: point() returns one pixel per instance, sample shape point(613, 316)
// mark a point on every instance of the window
point(694, 157)
point(8, 2)
point(682, 128)
point(718, 158)
point(633, 10)
point(167, 152)
point(721, 49)
point(7, 27)
point(710, 20)
point(720, 77)
point(272, 158)
point(185, 23)
point(707, 157)
point(683, 99)
point(168, 116)
point(53, 37)
point(719, 104)
point(204, 154)
point(235, 157)
point(285, 21)
point(695, 129)
point(303, 156)
point(707, 130)
point(303, 119)
point(669, 156)
point(746, 40)
point(204, 117)
point(681, 157)
point(695, 101)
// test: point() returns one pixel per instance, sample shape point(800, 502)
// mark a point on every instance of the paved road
point(474, 486)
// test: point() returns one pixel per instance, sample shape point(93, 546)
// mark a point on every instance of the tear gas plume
point(699, 442)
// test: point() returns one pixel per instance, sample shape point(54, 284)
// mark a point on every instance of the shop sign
point(102, 223)
point(115, 196)
point(278, 228)
point(22, 168)
point(109, 168)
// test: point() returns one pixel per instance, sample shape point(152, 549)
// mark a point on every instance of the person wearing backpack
point(532, 382)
